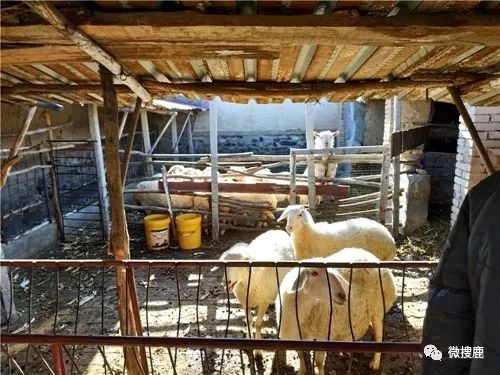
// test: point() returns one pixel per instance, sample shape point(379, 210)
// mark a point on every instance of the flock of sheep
point(267, 202)
point(304, 297)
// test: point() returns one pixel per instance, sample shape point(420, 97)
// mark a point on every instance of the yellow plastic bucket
point(188, 231)
point(156, 228)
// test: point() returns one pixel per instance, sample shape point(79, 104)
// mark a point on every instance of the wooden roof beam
point(247, 89)
point(226, 30)
point(87, 45)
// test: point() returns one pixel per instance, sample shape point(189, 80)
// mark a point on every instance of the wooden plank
point(287, 60)
point(345, 56)
point(339, 191)
point(408, 139)
point(236, 70)
point(396, 170)
point(317, 64)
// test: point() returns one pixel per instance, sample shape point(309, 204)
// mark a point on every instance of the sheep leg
point(258, 327)
point(319, 359)
point(377, 330)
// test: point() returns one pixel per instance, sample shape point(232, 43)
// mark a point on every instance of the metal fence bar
point(216, 343)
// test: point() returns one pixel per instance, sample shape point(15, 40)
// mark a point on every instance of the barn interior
point(105, 104)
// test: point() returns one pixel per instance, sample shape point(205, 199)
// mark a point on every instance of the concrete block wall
point(469, 170)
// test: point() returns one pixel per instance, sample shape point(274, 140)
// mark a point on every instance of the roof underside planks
point(351, 42)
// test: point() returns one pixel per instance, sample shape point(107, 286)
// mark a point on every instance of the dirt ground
point(84, 302)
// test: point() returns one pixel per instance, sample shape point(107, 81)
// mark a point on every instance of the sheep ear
point(299, 283)
point(339, 287)
point(316, 134)
point(284, 214)
point(335, 133)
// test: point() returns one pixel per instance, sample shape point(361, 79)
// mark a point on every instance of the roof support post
point(396, 164)
point(213, 163)
point(95, 135)
point(483, 153)
point(130, 140)
point(87, 45)
point(311, 177)
point(146, 140)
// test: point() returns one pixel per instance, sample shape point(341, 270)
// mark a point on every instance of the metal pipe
point(227, 343)
point(167, 263)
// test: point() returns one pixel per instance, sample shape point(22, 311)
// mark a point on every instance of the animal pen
point(153, 315)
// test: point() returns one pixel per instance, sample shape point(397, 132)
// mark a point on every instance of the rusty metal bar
point(215, 343)
point(164, 263)
point(58, 358)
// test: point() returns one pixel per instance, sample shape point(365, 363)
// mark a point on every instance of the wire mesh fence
point(191, 320)
point(77, 187)
point(25, 197)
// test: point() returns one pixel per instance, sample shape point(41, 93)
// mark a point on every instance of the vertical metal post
point(58, 359)
point(95, 135)
point(396, 121)
point(311, 178)
point(175, 145)
point(190, 136)
point(45, 191)
point(213, 162)
point(293, 195)
point(146, 140)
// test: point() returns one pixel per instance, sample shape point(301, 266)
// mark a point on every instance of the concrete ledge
point(31, 244)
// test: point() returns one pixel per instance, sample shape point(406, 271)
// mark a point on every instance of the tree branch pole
point(213, 162)
point(130, 140)
point(53, 180)
point(13, 156)
point(483, 153)
point(135, 358)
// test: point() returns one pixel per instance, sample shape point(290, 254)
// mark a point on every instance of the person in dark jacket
point(463, 314)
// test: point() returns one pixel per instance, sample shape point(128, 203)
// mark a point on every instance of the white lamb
point(312, 239)
point(310, 292)
point(272, 245)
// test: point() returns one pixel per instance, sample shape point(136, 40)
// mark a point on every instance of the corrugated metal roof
point(35, 52)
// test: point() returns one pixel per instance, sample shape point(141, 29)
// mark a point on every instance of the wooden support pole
point(14, 158)
point(87, 45)
point(56, 205)
point(384, 183)
point(122, 123)
point(483, 153)
point(311, 177)
point(130, 140)
point(146, 141)
point(213, 161)
point(163, 130)
point(190, 137)
point(293, 179)
point(175, 147)
point(183, 129)
point(128, 311)
point(95, 134)
point(396, 121)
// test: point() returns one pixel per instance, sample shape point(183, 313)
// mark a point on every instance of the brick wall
point(469, 168)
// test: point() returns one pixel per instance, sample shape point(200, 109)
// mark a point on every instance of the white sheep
point(160, 199)
point(312, 239)
point(272, 245)
point(309, 291)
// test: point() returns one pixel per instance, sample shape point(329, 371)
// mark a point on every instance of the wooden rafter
point(186, 27)
point(263, 89)
point(87, 45)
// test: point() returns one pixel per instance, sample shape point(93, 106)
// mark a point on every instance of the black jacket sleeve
point(449, 320)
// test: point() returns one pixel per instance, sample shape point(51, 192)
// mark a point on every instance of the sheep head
point(235, 275)
point(297, 217)
point(321, 283)
point(325, 139)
